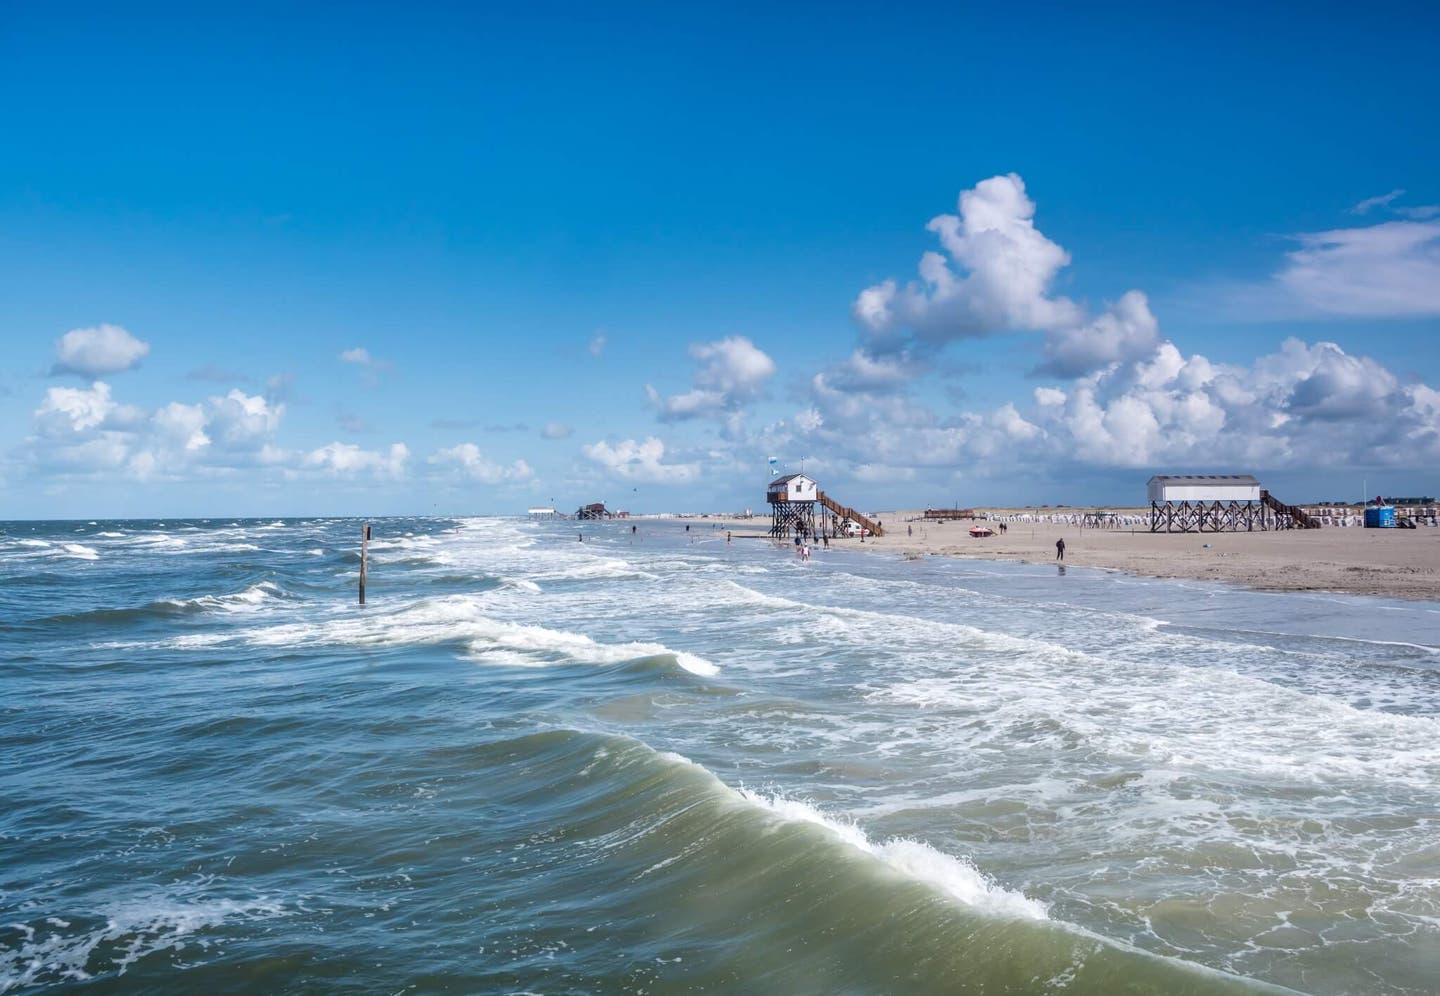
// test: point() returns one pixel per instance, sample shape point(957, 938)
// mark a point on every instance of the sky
point(464, 259)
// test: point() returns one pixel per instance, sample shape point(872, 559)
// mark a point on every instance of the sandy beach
point(1393, 563)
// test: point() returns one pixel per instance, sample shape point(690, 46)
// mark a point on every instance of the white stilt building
point(1218, 503)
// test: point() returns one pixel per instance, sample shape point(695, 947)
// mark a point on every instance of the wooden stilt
point(364, 557)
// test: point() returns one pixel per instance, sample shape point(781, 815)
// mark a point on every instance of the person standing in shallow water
point(1060, 548)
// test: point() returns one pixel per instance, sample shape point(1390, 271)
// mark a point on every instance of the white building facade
point(792, 487)
point(1177, 488)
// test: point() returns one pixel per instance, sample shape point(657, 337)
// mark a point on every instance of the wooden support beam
point(364, 557)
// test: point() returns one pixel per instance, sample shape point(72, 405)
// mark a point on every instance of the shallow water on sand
point(660, 762)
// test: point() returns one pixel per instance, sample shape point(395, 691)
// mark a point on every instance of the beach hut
point(1204, 488)
point(1218, 503)
point(594, 510)
point(792, 487)
point(793, 499)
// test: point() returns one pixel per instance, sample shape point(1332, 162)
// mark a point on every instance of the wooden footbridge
point(792, 501)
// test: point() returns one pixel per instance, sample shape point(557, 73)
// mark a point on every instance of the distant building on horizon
point(594, 510)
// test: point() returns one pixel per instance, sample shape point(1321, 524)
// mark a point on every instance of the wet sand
point(1394, 563)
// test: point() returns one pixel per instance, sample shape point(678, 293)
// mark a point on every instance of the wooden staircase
point(845, 512)
point(1295, 518)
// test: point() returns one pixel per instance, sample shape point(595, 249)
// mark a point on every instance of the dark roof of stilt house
point(789, 477)
point(1202, 479)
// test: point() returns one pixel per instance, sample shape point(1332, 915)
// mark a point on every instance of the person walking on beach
point(1060, 548)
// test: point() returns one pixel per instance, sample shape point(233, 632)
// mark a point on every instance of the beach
point(1391, 563)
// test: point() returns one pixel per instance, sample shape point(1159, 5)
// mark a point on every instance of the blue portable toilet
point(1380, 517)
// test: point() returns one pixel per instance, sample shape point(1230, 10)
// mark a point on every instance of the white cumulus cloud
point(640, 461)
point(243, 421)
point(994, 275)
point(349, 460)
point(729, 374)
point(102, 349)
point(1127, 331)
point(469, 461)
point(74, 409)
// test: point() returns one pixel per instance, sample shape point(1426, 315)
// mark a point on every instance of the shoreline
point(1385, 563)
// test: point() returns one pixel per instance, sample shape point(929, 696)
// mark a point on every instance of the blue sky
point(436, 258)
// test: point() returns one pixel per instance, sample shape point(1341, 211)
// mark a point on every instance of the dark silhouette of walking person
point(1060, 549)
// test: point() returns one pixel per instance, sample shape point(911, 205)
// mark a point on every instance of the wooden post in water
point(364, 556)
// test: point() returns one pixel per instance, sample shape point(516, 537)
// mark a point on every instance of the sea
point(637, 757)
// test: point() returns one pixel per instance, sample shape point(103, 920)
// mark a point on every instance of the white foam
point(956, 877)
point(80, 552)
point(515, 637)
point(241, 601)
point(138, 928)
point(455, 618)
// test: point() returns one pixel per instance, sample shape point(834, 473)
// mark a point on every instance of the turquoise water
point(660, 763)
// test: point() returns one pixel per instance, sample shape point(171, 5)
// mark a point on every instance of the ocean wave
point(247, 600)
point(78, 947)
point(956, 877)
point(451, 619)
point(813, 903)
point(240, 601)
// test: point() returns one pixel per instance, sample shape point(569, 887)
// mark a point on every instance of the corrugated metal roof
point(1247, 480)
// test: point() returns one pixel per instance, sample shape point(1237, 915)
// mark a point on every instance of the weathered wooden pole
point(364, 557)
